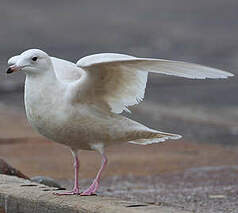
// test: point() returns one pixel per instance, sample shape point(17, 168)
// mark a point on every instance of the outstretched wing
point(119, 81)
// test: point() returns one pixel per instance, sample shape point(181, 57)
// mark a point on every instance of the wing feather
point(66, 70)
point(120, 80)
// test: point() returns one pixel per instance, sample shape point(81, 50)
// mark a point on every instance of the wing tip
point(156, 140)
point(226, 74)
point(223, 75)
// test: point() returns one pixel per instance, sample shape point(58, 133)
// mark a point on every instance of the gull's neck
point(42, 85)
point(47, 76)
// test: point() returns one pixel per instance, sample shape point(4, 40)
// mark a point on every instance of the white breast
point(55, 118)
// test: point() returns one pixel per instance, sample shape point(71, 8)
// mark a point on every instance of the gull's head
point(30, 61)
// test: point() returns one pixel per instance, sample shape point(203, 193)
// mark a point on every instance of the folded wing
point(66, 71)
point(119, 81)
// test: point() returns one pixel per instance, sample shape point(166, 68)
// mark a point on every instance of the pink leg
point(75, 190)
point(94, 186)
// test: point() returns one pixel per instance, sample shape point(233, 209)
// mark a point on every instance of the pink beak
point(12, 69)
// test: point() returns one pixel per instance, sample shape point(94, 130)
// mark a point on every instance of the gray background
point(204, 32)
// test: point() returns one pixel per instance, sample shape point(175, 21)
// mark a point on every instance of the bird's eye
point(34, 59)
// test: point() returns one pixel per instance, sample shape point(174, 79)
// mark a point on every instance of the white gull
point(79, 105)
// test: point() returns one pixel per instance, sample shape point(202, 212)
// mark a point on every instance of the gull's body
point(77, 125)
point(53, 112)
point(79, 105)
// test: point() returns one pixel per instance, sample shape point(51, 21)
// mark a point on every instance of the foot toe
point(87, 194)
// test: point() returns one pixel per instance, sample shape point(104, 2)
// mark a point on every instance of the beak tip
point(9, 70)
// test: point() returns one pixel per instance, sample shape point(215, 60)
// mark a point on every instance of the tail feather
point(155, 137)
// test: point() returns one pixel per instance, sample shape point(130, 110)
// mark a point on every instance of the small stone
point(46, 181)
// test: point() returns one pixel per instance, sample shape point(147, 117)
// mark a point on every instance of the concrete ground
point(201, 190)
point(185, 176)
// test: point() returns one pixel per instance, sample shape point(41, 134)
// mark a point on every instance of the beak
point(12, 69)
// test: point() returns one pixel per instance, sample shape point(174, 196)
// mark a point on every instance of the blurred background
point(205, 112)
